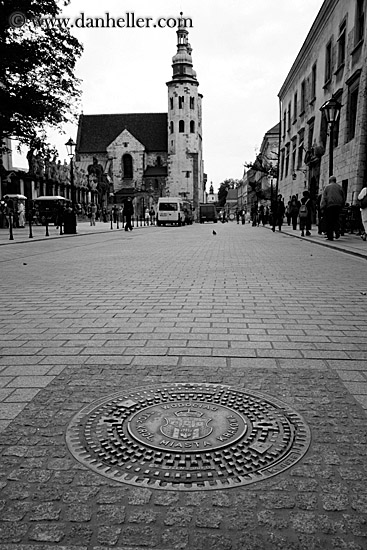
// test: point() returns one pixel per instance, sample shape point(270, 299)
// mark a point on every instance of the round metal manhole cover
point(188, 437)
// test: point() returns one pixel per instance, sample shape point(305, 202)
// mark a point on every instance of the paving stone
point(111, 514)
point(47, 533)
point(46, 511)
point(78, 513)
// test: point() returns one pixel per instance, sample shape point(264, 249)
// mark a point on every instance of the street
point(86, 317)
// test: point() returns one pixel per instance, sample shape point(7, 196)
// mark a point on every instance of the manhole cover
point(188, 437)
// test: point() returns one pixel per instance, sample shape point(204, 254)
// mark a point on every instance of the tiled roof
point(96, 132)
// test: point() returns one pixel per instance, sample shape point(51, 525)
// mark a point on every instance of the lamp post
point(70, 218)
point(331, 110)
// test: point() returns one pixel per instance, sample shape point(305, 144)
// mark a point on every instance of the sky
point(242, 53)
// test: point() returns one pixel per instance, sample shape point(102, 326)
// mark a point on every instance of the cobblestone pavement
point(84, 317)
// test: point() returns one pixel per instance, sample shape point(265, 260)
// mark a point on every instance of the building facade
point(332, 63)
point(150, 155)
point(259, 181)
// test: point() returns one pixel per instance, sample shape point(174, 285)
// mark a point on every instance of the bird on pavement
point(214, 232)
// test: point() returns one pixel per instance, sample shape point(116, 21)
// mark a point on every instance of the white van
point(170, 210)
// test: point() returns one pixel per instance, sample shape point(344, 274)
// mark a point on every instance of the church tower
point(185, 159)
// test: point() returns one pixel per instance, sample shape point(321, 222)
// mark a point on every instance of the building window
point(323, 130)
point(311, 126)
point(338, 97)
point(282, 164)
point(303, 97)
point(342, 43)
point(287, 149)
point(181, 126)
point(127, 165)
point(289, 117)
point(352, 109)
point(295, 101)
point(313, 81)
point(284, 123)
point(294, 154)
point(192, 103)
point(171, 127)
point(192, 126)
point(181, 100)
point(359, 25)
point(171, 102)
point(159, 161)
point(301, 140)
point(328, 62)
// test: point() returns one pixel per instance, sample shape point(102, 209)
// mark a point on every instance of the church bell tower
point(185, 159)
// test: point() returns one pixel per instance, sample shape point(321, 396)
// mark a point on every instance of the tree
point(38, 88)
point(223, 190)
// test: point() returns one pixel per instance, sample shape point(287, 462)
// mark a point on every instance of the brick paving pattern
point(84, 317)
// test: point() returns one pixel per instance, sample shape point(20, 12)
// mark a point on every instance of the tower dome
point(182, 60)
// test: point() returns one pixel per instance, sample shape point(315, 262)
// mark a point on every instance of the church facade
point(149, 155)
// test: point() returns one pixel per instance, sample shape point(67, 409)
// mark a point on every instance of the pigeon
point(214, 232)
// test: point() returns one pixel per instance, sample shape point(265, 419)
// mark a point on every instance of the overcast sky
point(242, 53)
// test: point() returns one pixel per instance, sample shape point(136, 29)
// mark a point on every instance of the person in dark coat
point(305, 214)
point(332, 202)
point(294, 205)
point(278, 211)
point(128, 213)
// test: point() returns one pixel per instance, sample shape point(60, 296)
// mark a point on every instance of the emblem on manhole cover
point(188, 437)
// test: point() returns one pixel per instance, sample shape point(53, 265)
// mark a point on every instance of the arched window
point(127, 165)
point(181, 100)
point(181, 126)
point(171, 102)
point(171, 127)
point(192, 126)
point(192, 103)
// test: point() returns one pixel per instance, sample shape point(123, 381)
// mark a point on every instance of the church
point(149, 155)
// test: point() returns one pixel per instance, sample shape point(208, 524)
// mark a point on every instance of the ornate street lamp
point(70, 222)
point(331, 110)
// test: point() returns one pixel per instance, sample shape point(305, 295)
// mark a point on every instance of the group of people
point(14, 209)
point(329, 208)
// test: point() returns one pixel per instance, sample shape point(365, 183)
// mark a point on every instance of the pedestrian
point(93, 213)
point(21, 213)
point(254, 214)
point(151, 215)
point(9, 210)
point(60, 215)
point(305, 214)
point(332, 202)
point(128, 213)
point(146, 216)
point(278, 211)
point(288, 214)
point(294, 206)
point(320, 220)
point(362, 197)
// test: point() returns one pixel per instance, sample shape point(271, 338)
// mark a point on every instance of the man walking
point(128, 212)
point(332, 202)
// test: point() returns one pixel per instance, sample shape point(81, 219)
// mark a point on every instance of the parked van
point(170, 210)
point(208, 213)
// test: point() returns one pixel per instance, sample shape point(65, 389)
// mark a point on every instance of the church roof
point(96, 132)
point(274, 129)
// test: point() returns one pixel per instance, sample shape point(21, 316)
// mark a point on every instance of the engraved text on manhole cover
point(188, 436)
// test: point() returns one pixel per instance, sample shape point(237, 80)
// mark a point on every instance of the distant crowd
point(333, 215)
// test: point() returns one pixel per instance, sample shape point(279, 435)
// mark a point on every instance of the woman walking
point(362, 197)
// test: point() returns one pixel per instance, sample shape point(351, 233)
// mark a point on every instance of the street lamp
point(70, 224)
point(331, 110)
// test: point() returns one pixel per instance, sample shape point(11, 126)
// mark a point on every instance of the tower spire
point(182, 61)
